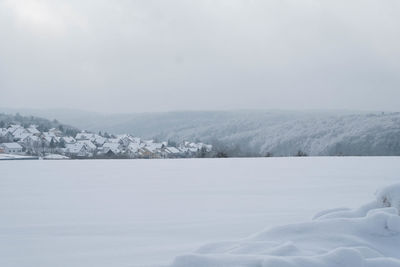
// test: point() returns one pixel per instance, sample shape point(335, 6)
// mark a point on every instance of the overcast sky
point(139, 56)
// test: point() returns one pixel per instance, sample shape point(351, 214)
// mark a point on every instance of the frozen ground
point(146, 212)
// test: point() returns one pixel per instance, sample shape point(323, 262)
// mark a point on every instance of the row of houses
point(16, 139)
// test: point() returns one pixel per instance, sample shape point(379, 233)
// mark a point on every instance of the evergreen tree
point(61, 144)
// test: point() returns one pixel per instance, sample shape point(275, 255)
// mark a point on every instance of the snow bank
point(15, 157)
point(365, 237)
point(55, 157)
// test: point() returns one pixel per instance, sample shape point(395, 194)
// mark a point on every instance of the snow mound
point(365, 237)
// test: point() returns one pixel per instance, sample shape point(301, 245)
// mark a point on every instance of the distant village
point(29, 142)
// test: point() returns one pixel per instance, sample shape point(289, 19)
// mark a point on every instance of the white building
point(11, 148)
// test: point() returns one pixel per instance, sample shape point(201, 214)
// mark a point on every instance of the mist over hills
point(255, 132)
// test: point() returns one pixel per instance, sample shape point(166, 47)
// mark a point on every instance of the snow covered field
point(147, 212)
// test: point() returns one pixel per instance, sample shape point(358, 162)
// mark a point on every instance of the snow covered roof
point(172, 150)
point(54, 130)
point(24, 135)
point(11, 145)
point(136, 139)
point(31, 137)
point(32, 129)
point(84, 136)
point(68, 139)
point(121, 136)
point(17, 133)
point(111, 145)
point(134, 147)
point(74, 148)
point(14, 127)
point(114, 147)
point(99, 140)
point(153, 147)
point(50, 136)
point(113, 140)
point(88, 143)
point(193, 149)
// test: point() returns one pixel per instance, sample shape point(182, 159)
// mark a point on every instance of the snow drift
point(365, 237)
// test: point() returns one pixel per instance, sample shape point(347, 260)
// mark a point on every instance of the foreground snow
point(125, 213)
point(365, 237)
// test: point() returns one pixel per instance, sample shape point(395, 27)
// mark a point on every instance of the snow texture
point(136, 213)
point(365, 237)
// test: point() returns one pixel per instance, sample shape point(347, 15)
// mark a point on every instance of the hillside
point(41, 123)
point(258, 133)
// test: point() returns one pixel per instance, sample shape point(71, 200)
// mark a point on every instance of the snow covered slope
point(365, 237)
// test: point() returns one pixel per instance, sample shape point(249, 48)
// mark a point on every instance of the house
point(109, 154)
point(145, 153)
point(11, 148)
point(50, 140)
point(84, 136)
point(90, 146)
point(14, 127)
point(113, 140)
point(6, 136)
point(115, 148)
point(171, 152)
point(99, 140)
point(33, 130)
point(136, 140)
point(151, 150)
point(56, 132)
point(133, 149)
point(32, 144)
point(19, 134)
point(77, 150)
point(125, 139)
point(18, 139)
point(67, 140)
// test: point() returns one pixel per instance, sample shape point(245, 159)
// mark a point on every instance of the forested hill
point(257, 132)
point(42, 124)
point(266, 133)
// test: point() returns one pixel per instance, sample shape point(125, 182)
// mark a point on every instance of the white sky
point(138, 56)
